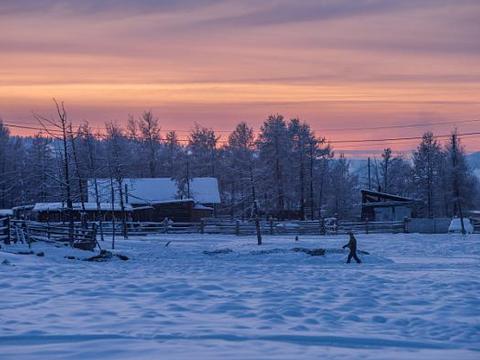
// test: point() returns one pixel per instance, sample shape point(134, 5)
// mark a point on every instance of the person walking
point(352, 245)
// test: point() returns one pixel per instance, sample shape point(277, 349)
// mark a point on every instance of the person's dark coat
point(352, 245)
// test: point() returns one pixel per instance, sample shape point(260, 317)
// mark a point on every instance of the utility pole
point(255, 208)
point(112, 189)
point(456, 189)
point(369, 175)
point(376, 175)
point(188, 173)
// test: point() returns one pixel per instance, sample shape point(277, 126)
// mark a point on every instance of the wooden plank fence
point(241, 228)
point(476, 226)
point(30, 231)
point(316, 227)
point(5, 235)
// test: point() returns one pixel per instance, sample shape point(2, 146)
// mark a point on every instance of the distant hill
point(359, 166)
point(473, 160)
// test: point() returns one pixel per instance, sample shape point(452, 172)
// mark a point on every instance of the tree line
point(284, 171)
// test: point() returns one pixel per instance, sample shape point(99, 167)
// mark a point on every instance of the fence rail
point(29, 231)
point(5, 235)
point(476, 226)
point(240, 228)
point(15, 230)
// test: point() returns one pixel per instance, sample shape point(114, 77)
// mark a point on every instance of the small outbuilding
point(379, 206)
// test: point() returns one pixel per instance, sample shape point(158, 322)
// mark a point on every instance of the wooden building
point(379, 206)
point(175, 210)
point(155, 199)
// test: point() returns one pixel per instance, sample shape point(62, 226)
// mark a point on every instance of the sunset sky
point(345, 66)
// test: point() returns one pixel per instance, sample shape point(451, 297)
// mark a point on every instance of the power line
point(29, 127)
point(353, 141)
point(395, 126)
point(401, 126)
point(399, 138)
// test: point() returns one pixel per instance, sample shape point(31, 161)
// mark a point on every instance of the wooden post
point(237, 228)
point(202, 226)
point(322, 226)
point(165, 225)
point(27, 236)
point(366, 226)
point(271, 226)
point(7, 239)
point(94, 235)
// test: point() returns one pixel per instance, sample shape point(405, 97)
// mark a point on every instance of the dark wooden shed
point(379, 206)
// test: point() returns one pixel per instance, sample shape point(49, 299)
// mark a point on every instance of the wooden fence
point(316, 227)
point(16, 230)
point(29, 231)
point(476, 226)
point(5, 230)
point(239, 228)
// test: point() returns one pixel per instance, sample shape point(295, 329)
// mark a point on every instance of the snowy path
point(416, 296)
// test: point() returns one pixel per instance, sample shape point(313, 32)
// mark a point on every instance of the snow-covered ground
point(415, 296)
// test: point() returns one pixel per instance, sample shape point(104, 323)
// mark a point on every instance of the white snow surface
point(414, 297)
point(6, 212)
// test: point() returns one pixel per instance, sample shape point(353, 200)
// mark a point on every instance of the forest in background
point(288, 169)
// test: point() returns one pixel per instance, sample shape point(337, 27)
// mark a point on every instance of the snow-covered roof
point(174, 201)
point(90, 206)
point(22, 207)
point(6, 212)
point(384, 195)
point(156, 190)
point(202, 207)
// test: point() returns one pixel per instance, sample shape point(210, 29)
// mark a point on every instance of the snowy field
point(414, 297)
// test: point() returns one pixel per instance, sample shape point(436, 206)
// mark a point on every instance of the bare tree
point(58, 129)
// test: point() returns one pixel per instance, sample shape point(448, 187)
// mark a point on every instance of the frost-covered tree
point(117, 155)
point(238, 157)
point(428, 161)
point(40, 156)
point(6, 182)
point(461, 183)
point(172, 154)
point(272, 146)
point(343, 196)
point(58, 128)
point(150, 140)
point(304, 148)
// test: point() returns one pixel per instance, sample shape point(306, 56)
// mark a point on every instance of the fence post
point(94, 235)
point(405, 225)
point(271, 226)
point(7, 240)
point(366, 227)
point(202, 226)
point(27, 236)
point(165, 225)
point(237, 228)
point(322, 226)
